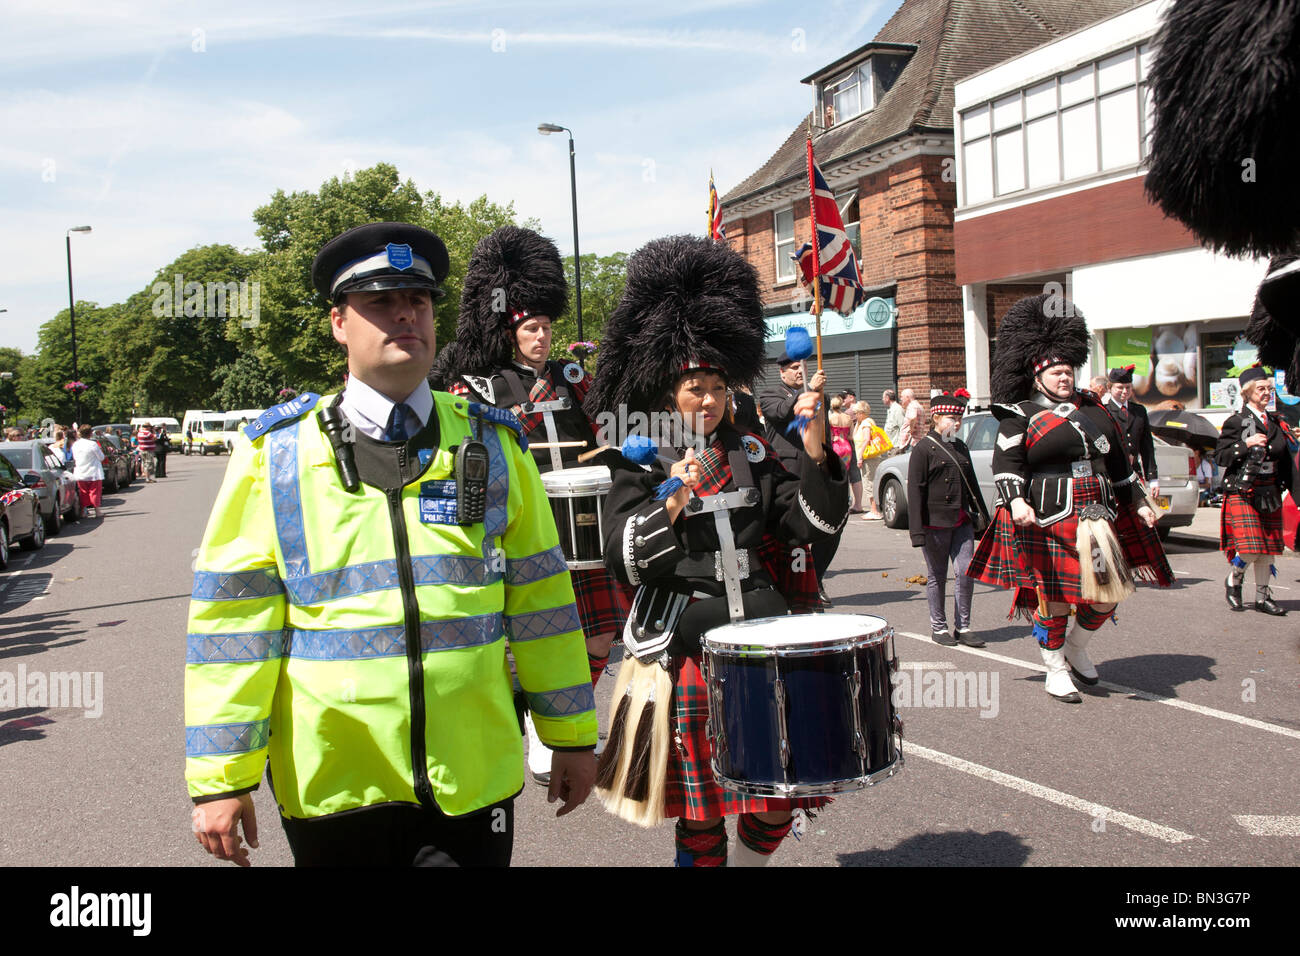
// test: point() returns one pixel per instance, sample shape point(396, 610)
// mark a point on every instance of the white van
point(203, 431)
point(171, 426)
point(235, 420)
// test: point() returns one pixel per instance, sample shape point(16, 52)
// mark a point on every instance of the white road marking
point(1270, 826)
point(929, 665)
point(12, 576)
point(1110, 815)
point(1122, 689)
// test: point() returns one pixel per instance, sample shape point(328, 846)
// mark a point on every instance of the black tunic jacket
point(1136, 428)
point(1233, 454)
point(937, 488)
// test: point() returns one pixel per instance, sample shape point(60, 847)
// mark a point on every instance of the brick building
point(1050, 177)
point(882, 126)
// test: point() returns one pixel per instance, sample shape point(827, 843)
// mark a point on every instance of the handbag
point(980, 519)
point(878, 444)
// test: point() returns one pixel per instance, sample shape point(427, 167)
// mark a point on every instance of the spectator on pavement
point(914, 427)
point(894, 419)
point(147, 442)
point(841, 423)
point(89, 471)
point(1099, 385)
point(870, 462)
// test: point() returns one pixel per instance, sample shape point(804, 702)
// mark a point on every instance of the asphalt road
point(1187, 753)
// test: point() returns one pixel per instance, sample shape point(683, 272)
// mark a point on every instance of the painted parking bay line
point(1133, 691)
point(1269, 826)
point(1098, 810)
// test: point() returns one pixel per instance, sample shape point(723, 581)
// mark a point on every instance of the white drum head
point(800, 630)
point(573, 482)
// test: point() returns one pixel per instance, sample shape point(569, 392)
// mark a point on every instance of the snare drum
point(577, 497)
point(801, 705)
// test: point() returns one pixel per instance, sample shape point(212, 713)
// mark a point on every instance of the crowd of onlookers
point(86, 450)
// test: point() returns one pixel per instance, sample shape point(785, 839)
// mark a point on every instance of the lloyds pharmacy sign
point(874, 314)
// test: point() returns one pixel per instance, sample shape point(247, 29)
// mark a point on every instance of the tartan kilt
point(1244, 529)
point(1045, 559)
point(603, 603)
point(691, 791)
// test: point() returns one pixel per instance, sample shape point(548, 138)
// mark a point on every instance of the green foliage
point(149, 351)
point(602, 286)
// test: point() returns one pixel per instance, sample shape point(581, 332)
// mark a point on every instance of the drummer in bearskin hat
point(514, 288)
point(689, 327)
point(1073, 526)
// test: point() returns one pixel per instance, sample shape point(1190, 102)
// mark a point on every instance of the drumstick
point(557, 444)
point(588, 455)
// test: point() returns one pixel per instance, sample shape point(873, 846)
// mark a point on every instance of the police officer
point(367, 557)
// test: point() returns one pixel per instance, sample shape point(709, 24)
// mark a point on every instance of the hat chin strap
point(1038, 384)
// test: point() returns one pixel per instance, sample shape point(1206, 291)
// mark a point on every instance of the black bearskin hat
point(1037, 332)
point(1275, 320)
point(689, 302)
point(513, 273)
point(1226, 91)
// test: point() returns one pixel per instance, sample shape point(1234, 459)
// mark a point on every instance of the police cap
point(378, 256)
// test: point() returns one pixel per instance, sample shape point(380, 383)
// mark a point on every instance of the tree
point(245, 383)
point(602, 286)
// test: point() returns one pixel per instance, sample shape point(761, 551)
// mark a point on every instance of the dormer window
point(847, 95)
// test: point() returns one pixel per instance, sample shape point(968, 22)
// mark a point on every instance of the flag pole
point(708, 228)
point(816, 250)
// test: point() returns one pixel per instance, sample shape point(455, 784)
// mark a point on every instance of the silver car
point(1175, 464)
point(46, 475)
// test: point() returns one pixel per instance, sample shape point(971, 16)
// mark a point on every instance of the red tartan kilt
point(692, 792)
point(603, 603)
point(1046, 559)
point(1244, 530)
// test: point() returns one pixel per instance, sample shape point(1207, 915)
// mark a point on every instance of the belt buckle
point(1080, 469)
point(1266, 468)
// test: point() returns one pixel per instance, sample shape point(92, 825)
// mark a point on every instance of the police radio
point(471, 478)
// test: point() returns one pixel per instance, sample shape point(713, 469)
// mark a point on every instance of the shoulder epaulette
point(1003, 412)
point(500, 416)
point(482, 387)
point(280, 415)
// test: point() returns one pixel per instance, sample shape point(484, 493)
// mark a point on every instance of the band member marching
point(1073, 526)
point(1254, 450)
point(709, 530)
point(1131, 417)
point(514, 287)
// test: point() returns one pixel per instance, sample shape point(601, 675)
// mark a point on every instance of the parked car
point(20, 513)
point(1176, 464)
point(45, 473)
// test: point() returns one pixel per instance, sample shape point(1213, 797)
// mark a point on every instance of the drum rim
point(795, 790)
point(564, 483)
point(808, 648)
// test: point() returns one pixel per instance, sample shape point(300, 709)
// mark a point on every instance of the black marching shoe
point(1265, 604)
point(1234, 594)
point(967, 637)
point(943, 637)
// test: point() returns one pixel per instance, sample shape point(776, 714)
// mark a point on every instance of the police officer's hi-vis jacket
point(362, 648)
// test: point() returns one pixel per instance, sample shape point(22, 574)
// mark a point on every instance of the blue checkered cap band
point(377, 266)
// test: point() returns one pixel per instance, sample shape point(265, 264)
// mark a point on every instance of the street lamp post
point(72, 315)
point(546, 129)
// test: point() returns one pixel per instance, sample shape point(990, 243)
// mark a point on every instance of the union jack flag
point(841, 282)
point(716, 229)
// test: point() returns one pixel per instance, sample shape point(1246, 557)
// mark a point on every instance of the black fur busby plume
point(686, 299)
point(1226, 87)
point(1035, 328)
point(511, 270)
point(1275, 320)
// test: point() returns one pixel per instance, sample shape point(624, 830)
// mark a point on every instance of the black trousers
point(399, 834)
point(824, 553)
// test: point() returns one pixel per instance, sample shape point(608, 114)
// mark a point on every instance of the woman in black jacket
point(943, 504)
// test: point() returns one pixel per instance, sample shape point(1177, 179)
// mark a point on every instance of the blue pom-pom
point(798, 343)
point(798, 424)
point(640, 450)
point(1238, 563)
point(668, 488)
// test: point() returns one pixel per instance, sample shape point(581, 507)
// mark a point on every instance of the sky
point(164, 125)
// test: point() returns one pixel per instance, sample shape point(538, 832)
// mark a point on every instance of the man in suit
point(1131, 417)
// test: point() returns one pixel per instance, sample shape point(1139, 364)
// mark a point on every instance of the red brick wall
point(1102, 224)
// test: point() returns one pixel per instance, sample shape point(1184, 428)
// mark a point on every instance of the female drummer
point(1254, 452)
point(943, 503)
point(690, 324)
point(514, 287)
point(1072, 526)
